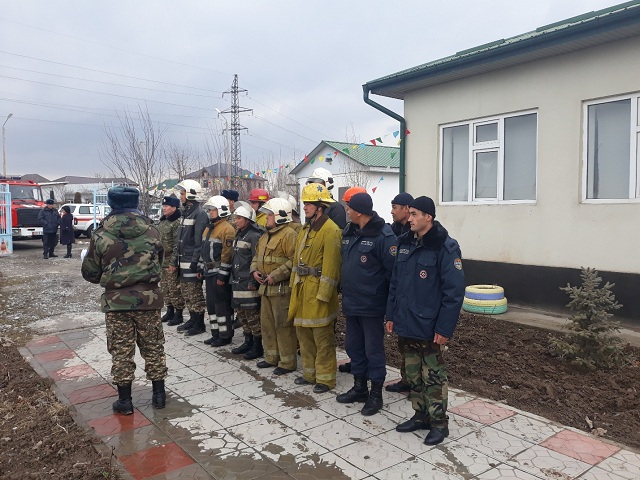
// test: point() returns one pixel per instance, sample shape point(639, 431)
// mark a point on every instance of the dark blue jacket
point(427, 285)
point(367, 261)
point(49, 218)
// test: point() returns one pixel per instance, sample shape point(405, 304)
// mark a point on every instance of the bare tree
point(357, 175)
point(181, 159)
point(134, 151)
point(277, 175)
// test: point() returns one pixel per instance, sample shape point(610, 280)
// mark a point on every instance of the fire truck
point(26, 203)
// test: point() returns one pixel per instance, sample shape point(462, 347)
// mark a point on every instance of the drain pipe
point(403, 130)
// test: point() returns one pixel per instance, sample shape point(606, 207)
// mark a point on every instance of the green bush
point(594, 342)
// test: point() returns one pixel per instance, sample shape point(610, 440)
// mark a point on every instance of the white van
point(83, 216)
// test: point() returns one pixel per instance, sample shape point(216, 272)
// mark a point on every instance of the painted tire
point(484, 292)
point(485, 303)
point(484, 310)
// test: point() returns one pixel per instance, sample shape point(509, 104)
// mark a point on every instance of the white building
point(531, 147)
point(372, 167)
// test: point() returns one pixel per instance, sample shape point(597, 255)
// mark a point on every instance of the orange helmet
point(351, 192)
point(258, 195)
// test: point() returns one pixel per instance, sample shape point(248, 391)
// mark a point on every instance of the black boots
point(256, 349)
point(159, 397)
point(397, 387)
point(345, 367)
point(123, 405)
point(188, 324)
point(169, 315)
point(374, 402)
point(177, 318)
point(221, 342)
point(436, 435)
point(214, 336)
point(198, 326)
point(246, 346)
point(358, 393)
point(68, 255)
point(419, 421)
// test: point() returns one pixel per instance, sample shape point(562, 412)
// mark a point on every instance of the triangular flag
point(251, 176)
point(354, 146)
point(399, 142)
point(335, 153)
point(374, 142)
point(393, 154)
point(313, 160)
point(379, 140)
point(362, 145)
point(328, 155)
point(381, 179)
point(281, 167)
point(396, 133)
point(287, 166)
point(374, 189)
point(306, 159)
point(346, 150)
point(407, 132)
point(275, 170)
point(321, 158)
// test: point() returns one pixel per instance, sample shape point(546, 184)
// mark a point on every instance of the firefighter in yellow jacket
point(271, 268)
point(314, 290)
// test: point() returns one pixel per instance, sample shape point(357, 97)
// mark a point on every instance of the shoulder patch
point(229, 242)
point(393, 250)
point(457, 263)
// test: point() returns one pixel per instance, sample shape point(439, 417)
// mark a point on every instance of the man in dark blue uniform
point(425, 298)
point(368, 253)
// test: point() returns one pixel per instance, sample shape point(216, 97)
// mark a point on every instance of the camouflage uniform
point(124, 257)
point(169, 282)
point(427, 376)
point(274, 255)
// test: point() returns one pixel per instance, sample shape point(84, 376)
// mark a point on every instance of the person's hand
point(172, 268)
point(269, 280)
point(193, 266)
point(220, 283)
point(258, 277)
point(389, 326)
point(439, 339)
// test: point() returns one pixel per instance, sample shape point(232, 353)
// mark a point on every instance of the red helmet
point(351, 192)
point(259, 195)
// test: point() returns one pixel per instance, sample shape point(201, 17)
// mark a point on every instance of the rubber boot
point(198, 327)
point(358, 393)
point(214, 336)
point(188, 324)
point(169, 315)
point(374, 402)
point(256, 350)
point(246, 346)
point(177, 318)
point(159, 397)
point(123, 405)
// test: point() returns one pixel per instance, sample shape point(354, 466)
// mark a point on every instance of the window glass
point(455, 163)
point(608, 150)
point(487, 132)
point(520, 153)
point(487, 174)
point(84, 210)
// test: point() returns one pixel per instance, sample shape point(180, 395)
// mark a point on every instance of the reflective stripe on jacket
point(244, 248)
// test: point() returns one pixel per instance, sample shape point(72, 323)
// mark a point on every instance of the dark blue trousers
point(365, 346)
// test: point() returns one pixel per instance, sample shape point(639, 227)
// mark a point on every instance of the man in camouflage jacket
point(125, 257)
point(169, 223)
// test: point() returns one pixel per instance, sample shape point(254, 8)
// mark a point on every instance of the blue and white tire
point(484, 292)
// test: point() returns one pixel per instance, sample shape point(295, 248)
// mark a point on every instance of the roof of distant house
point(221, 170)
point(34, 177)
point(104, 180)
point(593, 28)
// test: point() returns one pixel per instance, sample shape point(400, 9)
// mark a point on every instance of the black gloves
point(193, 266)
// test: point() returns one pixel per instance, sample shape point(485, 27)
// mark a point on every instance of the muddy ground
point(489, 357)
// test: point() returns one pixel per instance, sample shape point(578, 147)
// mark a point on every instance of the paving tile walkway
point(227, 419)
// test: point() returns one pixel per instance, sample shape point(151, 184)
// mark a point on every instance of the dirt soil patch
point(510, 363)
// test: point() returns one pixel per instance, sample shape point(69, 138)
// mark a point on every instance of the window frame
point(487, 146)
point(634, 149)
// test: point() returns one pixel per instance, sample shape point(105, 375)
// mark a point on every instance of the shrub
point(594, 342)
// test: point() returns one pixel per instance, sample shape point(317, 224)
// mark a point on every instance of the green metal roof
point(167, 184)
point(609, 24)
point(369, 155)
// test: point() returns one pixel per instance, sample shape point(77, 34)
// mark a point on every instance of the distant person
point(49, 218)
point(168, 225)
point(425, 298)
point(67, 236)
point(125, 257)
point(257, 198)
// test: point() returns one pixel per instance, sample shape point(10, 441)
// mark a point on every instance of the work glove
point(193, 266)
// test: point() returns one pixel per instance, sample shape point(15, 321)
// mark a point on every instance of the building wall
point(342, 169)
point(558, 229)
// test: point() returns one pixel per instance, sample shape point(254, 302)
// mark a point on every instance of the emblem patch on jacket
point(457, 263)
point(423, 274)
point(229, 242)
point(363, 258)
point(393, 250)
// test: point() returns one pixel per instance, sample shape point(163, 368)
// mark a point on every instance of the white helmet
point(218, 202)
point(245, 211)
point(280, 208)
point(193, 189)
point(321, 175)
point(291, 199)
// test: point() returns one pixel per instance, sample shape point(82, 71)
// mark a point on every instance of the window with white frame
point(612, 136)
point(490, 160)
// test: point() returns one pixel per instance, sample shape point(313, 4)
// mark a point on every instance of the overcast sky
point(68, 68)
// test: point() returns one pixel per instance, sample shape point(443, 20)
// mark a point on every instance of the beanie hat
point(361, 203)
point(66, 208)
point(424, 204)
point(230, 195)
point(402, 199)
point(123, 197)
point(49, 201)
point(171, 201)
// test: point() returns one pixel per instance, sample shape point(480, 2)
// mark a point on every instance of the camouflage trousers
point(427, 377)
point(403, 365)
point(125, 329)
point(171, 289)
point(193, 296)
point(318, 353)
point(278, 333)
point(250, 321)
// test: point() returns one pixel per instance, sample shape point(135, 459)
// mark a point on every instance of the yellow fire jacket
point(274, 256)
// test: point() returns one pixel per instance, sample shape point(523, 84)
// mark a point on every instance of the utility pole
point(4, 152)
point(235, 110)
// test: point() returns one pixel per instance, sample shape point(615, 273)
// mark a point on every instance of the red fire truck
point(26, 203)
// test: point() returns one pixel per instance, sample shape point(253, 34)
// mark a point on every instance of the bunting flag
point(345, 150)
point(373, 142)
point(321, 158)
point(393, 154)
point(335, 153)
point(407, 132)
point(362, 145)
point(373, 190)
point(379, 140)
point(306, 158)
point(396, 133)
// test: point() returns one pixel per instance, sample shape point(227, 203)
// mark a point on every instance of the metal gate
point(6, 243)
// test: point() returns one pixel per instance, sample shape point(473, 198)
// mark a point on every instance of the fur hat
point(49, 201)
point(402, 199)
point(362, 203)
point(230, 195)
point(119, 198)
point(424, 204)
point(171, 201)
